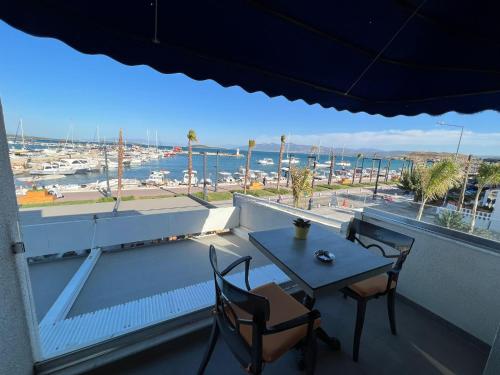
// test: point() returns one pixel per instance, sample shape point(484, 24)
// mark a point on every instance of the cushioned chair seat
point(283, 307)
point(371, 286)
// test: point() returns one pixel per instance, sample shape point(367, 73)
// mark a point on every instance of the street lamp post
point(313, 159)
point(289, 170)
point(378, 175)
point(442, 123)
point(216, 170)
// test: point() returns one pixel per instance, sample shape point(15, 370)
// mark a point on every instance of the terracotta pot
point(301, 233)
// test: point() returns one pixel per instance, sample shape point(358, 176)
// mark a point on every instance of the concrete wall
point(258, 214)
point(454, 279)
point(493, 364)
point(53, 238)
point(16, 356)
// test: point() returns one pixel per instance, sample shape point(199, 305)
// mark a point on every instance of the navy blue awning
point(380, 57)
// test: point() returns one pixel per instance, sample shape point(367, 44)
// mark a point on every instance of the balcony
point(107, 287)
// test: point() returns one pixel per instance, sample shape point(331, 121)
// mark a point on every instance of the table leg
point(332, 342)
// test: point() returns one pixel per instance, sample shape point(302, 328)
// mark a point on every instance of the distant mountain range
point(305, 149)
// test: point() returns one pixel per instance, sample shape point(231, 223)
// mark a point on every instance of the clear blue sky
point(52, 87)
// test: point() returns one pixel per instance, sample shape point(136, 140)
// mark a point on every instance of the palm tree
point(280, 159)
point(191, 136)
point(436, 180)
point(301, 183)
point(356, 167)
point(488, 174)
point(251, 144)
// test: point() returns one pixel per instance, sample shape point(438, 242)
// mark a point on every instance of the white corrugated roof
point(86, 329)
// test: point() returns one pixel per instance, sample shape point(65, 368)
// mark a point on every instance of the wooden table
point(296, 259)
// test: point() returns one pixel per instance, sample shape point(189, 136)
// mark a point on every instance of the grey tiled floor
point(424, 345)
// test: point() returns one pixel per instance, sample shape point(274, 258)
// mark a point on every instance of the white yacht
point(225, 177)
point(208, 181)
point(52, 169)
point(292, 160)
point(259, 174)
point(82, 165)
point(344, 164)
point(266, 161)
point(273, 176)
point(135, 162)
point(157, 177)
point(251, 173)
point(194, 177)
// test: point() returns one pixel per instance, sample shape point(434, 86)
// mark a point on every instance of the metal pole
point(312, 185)
point(205, 193)
point(108, 189)
point(376, 180)
point(332, 162)
point(460, 140)
point(216, 170)
point(289, 170)
point(464, 187)
point(362, 166)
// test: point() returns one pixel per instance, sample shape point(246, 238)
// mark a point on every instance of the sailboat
point(288, 160)
point(343, 163)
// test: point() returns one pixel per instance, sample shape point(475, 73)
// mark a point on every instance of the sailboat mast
point(288, 147)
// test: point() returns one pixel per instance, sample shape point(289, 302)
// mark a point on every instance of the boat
point(343, 163)
point(194, 177)
point(238, 176)
point(266, 161)
point(259, 174)
point(157, 177)
point(226, 177)
point(322, 165)
point(135, 162)
point(292, 160)
point(52, 169)
point(242, 171)
point(82, 165)
point(207, 180)
point(273, 176)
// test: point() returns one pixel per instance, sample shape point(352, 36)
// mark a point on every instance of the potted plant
point(301, 228)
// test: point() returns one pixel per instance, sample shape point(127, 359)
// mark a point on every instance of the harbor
point(82, 171)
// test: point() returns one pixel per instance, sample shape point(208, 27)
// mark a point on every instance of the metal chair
point(259, 325)
point(380, 285)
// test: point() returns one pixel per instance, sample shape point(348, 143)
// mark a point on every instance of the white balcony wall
point(60, 237)
point(455, 279)
point(258, 214)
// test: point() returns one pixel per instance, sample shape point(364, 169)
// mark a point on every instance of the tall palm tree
point(356, 167)
point(436, 180)
point(251, 144)
point(488, 174)
point(191, 136)
point(280, 159)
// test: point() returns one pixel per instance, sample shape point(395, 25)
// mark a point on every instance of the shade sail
point(381, 57)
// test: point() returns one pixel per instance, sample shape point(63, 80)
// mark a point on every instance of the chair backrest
point(228, 294)
point(395, 240)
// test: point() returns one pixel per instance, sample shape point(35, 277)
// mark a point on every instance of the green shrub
point(215, 196)
point(450, 219)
